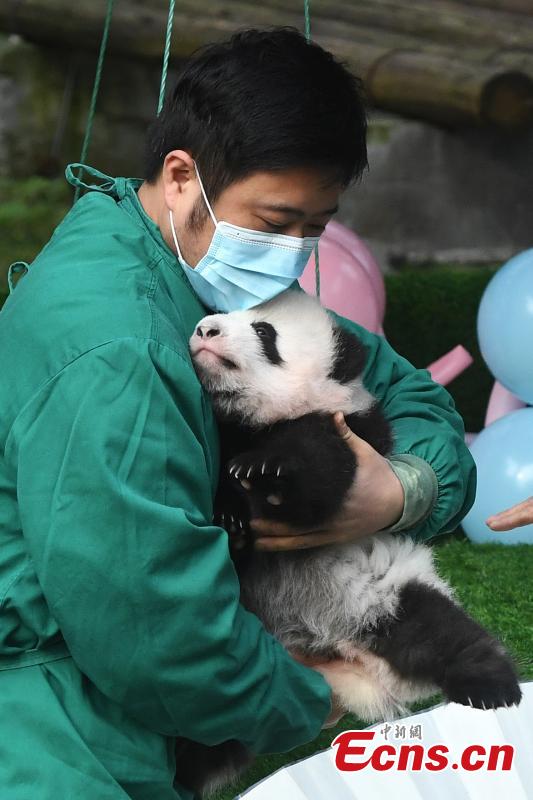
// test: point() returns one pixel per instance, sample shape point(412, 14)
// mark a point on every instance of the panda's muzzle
point(206, 332)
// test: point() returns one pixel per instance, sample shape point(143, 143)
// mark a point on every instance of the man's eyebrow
point(296, 211)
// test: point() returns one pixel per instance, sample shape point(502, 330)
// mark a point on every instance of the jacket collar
point(131, 204)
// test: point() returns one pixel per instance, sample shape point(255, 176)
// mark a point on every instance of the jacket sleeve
point(425, 425)
point(420, 490)
point(115, 501)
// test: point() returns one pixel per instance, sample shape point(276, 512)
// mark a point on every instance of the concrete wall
point(436, 195)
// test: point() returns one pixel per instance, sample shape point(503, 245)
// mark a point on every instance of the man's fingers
point(300, 542)
point(501, 525)
point(306, 659)
point(515, 517)
point(359, 446)
point(268, 527)
point(344, 431)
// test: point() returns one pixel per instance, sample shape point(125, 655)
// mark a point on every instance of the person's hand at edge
point(514, 517)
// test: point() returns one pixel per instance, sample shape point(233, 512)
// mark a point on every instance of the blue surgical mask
point(243, 267)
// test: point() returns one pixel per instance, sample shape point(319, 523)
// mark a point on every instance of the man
point(120, 622)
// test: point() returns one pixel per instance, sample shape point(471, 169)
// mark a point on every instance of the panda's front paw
point(268, 476)
point(231, 522)
point(235, 521)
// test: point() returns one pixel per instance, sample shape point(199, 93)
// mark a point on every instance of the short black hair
point(266, 99)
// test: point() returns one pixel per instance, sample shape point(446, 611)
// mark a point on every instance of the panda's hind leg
point(433, 639)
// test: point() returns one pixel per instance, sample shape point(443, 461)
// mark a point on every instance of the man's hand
point(330, 670)
point(514, 517)
point(374, 502)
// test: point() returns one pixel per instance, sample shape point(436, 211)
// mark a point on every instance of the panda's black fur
point(276, 373)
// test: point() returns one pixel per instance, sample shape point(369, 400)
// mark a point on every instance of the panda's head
point(279, 360)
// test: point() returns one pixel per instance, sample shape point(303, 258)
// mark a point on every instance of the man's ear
point(350, 356)
point(178, 176)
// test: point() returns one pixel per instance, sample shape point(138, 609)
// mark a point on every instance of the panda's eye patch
point(263, 329)
point(268, 335)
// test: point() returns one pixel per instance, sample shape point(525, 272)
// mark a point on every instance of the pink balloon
point(351, 242)
point(501, 402)
point(450, 365)
point(345, 286)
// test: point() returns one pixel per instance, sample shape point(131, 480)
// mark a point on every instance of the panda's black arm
point(296, 471)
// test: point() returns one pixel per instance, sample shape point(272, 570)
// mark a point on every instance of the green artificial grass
point(493, 583)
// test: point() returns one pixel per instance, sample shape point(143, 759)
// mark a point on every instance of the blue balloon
point(503, 453)
point(505, 326)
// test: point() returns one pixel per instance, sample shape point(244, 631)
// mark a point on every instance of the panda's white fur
point(261, 393)
point(330, 601)
point(326, 588)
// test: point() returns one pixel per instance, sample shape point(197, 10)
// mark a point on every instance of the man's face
point(295, 202)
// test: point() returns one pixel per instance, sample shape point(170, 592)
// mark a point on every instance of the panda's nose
point(207, 330)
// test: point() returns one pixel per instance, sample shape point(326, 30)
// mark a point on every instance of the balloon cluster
point(503, 451)
point(353, 287)
point(351, 281)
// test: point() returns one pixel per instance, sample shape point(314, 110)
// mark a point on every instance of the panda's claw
point(253, 470)
point(470, 703)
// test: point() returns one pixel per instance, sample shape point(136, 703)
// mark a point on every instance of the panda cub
point(276, 373)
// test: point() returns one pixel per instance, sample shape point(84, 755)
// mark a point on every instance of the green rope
point(166, 56)
point(307, 21)
point(308, 37)
point(96, 87)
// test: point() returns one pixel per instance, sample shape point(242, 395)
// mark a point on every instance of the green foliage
point(30, 209)
point(431, 311)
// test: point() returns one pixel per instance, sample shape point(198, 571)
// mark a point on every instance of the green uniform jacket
point(120, 621)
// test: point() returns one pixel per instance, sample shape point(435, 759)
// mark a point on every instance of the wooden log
point(402, 73)
point(452, 93)
point(509, 6)
point(439, 88)
point(448, 22)
point(444, 21)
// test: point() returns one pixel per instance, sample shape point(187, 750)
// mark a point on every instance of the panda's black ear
point(350, 356)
